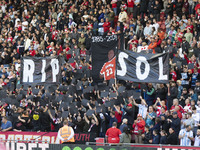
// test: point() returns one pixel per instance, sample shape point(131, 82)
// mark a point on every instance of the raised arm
point(96, 120)
point(86, 119)
point(155, 105)
point(118, 110)
point(134, 103)
point(89, 106)
point(50, 114)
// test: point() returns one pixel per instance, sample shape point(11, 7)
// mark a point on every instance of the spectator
point(142, 107)
point(130, 7)
point(171, 34)
point(188, 35)
point(163, 137)
point(160, 106)
point(153, 43)
point(150, 94)
point(123, 125)
point(113, 134)
point(5, 124)
point(106, 26)
point(147, 30)
point(125, 136)
point(157, 9)
point(138, 128)
point(93, 124)
point(196, 118)
point(172, 137)
point(118, 114)
point(147, 136)
point(197, 139)
point(111, 118)
point(129, 113)
point(114, 6)
point(156, 137)
point(175, 122)
point(101, 28)
point(185, 136)
point(79, 124)
point(122, 16)
point(189, 121)
point(151, 115)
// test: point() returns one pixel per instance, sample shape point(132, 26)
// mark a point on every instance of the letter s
point(122, 63)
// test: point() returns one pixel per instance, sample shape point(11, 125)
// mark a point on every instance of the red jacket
point(138, 126)
point(106, 26)
point(32, 52)
point(181, 108)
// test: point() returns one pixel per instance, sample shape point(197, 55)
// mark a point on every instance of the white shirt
point(25, 23)
point(101, 29)
point(142, 110)
point(147, 30)
point(197, 141)
point(196, 118)
point(33, 22)
point(27, 43)
point(16, 21)
point(198, 109)
point(156, 25)
point(3, 7)
point(185, 141)
point(71, 136)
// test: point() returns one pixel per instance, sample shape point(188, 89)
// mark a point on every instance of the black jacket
point(173, 92)
point(143, 5)
point(185, 46)
point(129, 115)
point(169, 9)
point(161, 93)
point(148, 136)
point(172, 139)
point(179, 7)
point(78, 125)
point(157, 9)
point(176, 124)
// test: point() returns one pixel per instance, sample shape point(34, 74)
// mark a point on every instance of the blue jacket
point(163, 140)
point(156, 139)
point(194, 97)
point(101, 16)
point(111, 120)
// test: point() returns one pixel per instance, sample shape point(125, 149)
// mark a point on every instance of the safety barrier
point(49, 141)
point(45, 146)
point(47, 137)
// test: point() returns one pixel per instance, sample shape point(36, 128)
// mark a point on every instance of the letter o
point(140, 60)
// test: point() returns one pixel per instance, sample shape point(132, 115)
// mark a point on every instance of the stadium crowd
point(144, 113)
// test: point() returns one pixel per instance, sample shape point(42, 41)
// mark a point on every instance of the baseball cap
point(175, 113)
point(139, 115)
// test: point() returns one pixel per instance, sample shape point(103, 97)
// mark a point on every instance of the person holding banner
point(66, 134)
